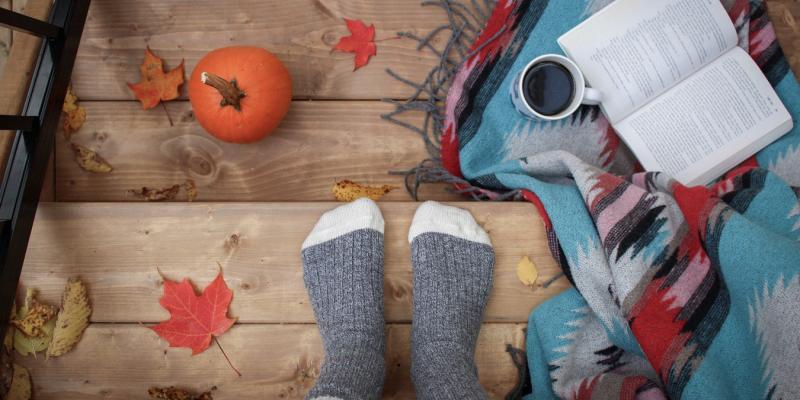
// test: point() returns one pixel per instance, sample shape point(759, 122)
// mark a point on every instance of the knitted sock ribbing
point(343, 273)
point(453, 261)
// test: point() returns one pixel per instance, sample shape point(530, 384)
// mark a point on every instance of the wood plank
point(118, 250)
point(785, 15)
point(276, 361)
point(300, 32)
point(317, 145)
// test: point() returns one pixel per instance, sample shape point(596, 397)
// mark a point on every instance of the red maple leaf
point(194, 319)
point(361, 42)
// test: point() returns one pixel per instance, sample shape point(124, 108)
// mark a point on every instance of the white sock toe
point(435, 217)
point(359, 214)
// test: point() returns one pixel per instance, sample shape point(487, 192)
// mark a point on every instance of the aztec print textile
point(678, 292)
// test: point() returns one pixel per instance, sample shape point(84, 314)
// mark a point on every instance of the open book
point(677, 88)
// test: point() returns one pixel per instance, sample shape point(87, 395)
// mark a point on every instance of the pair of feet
point(343, 273)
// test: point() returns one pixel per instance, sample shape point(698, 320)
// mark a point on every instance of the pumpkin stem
point(231, 94)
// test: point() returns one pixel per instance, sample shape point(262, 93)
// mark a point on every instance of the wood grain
point(317, 145)
point(300, 32)
point(119, 249)
point(276, 361)
point(785, 15)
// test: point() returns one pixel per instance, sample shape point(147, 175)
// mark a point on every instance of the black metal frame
point(34, 132)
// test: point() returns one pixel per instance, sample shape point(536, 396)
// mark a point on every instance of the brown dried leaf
point(74, 115)
point(173, 393)
point(348, 191)
point(20, 384)
point(150, 194)
point(6, 369)
point(191, 190)
point(8, 341)
point(33, 316)
point(89, 160)
point(72, 319)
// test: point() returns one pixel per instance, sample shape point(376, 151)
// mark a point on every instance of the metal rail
point(34, 133)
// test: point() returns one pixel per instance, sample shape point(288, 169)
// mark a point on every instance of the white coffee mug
point(582, 95)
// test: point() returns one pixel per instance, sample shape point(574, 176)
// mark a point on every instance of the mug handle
point(592, 97)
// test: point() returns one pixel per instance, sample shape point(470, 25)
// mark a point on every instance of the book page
point(708, 123)
point(634, 50)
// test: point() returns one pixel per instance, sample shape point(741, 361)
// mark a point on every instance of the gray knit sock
point(343, 273)
point(453, 261)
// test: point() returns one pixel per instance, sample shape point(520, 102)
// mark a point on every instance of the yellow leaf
point(33, 316)
point(72, 319)
point(20, 384)
point(74, 115)
point(527, 273)
point(89, 160)
point(26, 345)
point(348, 191)
point(31, 344)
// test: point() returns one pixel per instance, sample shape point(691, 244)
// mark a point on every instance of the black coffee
point(548, 88)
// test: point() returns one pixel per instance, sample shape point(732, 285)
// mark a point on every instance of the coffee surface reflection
point(549, 88)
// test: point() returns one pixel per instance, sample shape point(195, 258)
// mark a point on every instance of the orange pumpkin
point(240, 94)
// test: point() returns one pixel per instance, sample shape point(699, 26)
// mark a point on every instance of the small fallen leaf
point(31, 344)
point(20, 384)
point(8, 340)
point(156, 85)
point(72, 320)
point(33, 315)
point(361, 42)
point(26, 345)
point(194, 319)
point(89, 160)
point(348, 191)
point(6, 365)
point(173, 393)
point(527, 273)
point(191, 189)
point(150, 194)
point(74, 115)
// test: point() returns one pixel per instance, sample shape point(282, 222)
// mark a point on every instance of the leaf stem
point(226, 357)
point(167, 112)
point(385, 39)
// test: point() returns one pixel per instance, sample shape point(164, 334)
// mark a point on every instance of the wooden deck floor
point(266, 195)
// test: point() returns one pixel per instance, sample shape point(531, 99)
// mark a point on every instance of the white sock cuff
point(435, 217)
point(359, 214)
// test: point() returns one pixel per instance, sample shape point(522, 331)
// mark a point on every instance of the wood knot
point(196, 155)
point(232, 242)
point(187, 116)
point(330, 38)
point(399, 290)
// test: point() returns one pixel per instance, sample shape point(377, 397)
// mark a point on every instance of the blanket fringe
point(464, 23)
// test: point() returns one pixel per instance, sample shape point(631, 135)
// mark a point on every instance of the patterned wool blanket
point(678, 292)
